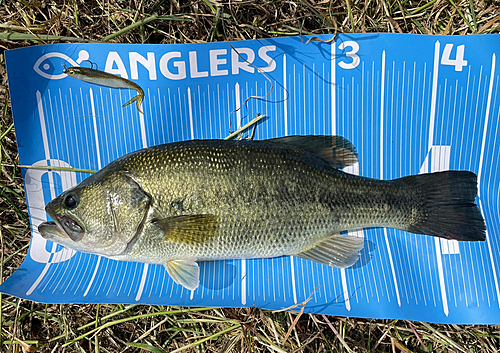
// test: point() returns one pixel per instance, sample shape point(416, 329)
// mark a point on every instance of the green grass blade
point(41, 37)
point(462, 15)
point(131, 318)
point(129, 28)
point(197, 343)
point(7, 131)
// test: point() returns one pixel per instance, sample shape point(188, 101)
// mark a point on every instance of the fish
point(181, 203)
point(103, 78)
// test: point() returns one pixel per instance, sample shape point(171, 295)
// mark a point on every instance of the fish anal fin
point(189, 229)
point(337, 150)
point(184, 272)
point(340, 251)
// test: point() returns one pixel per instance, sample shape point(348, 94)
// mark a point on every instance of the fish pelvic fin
point(184, 272)
point(337, 150)
point(339, 251)
point(188, 229)
point(448, 205)
point(138, 99)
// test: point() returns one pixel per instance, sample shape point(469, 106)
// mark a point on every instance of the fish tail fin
point(449, 209)
point(138, 100)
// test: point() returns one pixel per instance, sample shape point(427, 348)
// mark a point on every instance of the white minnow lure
point(103, 78)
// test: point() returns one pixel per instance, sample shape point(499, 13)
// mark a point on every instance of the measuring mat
point(409, 103)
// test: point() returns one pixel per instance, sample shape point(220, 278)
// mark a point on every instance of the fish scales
point(269, 201)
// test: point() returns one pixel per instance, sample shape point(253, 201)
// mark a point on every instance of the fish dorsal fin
point(188, 229)
point(337, 251)
point(184, 272)
point(337, 150)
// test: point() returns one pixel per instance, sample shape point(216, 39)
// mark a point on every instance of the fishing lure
point(103, 78)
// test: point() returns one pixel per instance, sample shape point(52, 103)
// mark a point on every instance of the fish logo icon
point(47, 67)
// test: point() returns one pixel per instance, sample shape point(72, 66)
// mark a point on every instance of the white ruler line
point(93, 276)
point(94, 120)
point(295, 100)
point(435, 75)
point(312, 88)
point(143, 282)
point(334, 91)
point(285, 100)
point(294, 290)
point(439, 259)
point(155, 129)
point(237, 97)
point(104, 125)
point(153, 284)
point(243, 282)
point(382, 97)
point(493, 267)
point(190, 109)
point(104, 276)
point(345, 290)
point(396, 287)
point(305, 114)
point(486, 120)
point(143, 128)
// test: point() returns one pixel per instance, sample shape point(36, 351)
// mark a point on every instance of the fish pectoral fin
point(337, 150)
point(184, 272)
point(337, 251)
point(189, 229)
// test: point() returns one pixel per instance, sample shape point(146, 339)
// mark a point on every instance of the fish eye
point(70, 201)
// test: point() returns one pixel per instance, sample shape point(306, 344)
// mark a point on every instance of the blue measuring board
point(410, 104)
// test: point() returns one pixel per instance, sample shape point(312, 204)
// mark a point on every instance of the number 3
point(350, 54)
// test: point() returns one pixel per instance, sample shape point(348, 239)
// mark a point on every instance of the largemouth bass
point(184, 202)
point(106, 79)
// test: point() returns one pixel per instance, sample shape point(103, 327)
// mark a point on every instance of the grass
point(31, 327)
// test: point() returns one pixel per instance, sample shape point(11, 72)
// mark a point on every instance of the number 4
point(459, 61)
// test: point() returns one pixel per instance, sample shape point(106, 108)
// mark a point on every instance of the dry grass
point(116, 328)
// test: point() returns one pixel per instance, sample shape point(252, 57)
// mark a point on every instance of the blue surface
point(409, 104)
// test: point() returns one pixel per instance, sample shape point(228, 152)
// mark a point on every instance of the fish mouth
point(49, 230)
point(62, 225)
